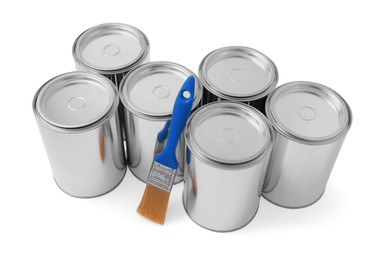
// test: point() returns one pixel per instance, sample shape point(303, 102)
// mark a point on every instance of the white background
point(330, 42)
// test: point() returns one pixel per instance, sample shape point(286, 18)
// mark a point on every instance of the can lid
point(151, 89)
point(229, 133)
point(110, 48)
point(75, 100)
point(238, 73)
point(308, 112)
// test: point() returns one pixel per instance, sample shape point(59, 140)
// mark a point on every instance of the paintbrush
point(155, 199)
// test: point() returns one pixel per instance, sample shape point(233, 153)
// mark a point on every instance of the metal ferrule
point(162, 176)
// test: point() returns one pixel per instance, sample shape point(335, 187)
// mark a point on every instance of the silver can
point(112, 50)
point(238, 74)
point(228, 149)
point(78, 120)
point(148, 94)
point(311, 122)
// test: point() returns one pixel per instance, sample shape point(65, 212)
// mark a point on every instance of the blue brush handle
point(180, 114)
point(163, 132)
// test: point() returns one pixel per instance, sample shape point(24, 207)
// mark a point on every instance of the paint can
point(228, 149)
point(78, 120)
point(310, 122)
point(148, 94)
point(239, 74)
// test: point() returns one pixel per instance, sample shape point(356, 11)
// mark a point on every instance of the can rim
point(85, 127)
point(91, 32)
point(321, 90)
point(265, 151)
point(144, 70)
point(224, 51)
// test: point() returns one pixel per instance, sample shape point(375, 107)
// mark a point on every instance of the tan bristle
point(102, 146)
point(154, 204)
point(194, 181)
point(157, 151)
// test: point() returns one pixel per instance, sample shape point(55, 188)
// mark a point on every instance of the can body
point(86, 164)
point(238, 73)
point(148, 94)
point(311, 122)
point(298, 173)
point(87, 160)
point(221, 194)
point(222, 199)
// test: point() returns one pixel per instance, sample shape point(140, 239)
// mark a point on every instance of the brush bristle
point(102, 146)
point(194, 181)
point(154, 204)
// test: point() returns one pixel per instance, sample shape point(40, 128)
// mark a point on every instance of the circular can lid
point(238, 73)
point(308, 112)
point(151, 89)
point(75, 100)
point(111, 48)
point(229, 133)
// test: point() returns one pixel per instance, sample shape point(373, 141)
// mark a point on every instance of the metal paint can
point(228, 149)
point(148, 94)
point(311, 122)
point(238, 74)
point(112, 50)
point(78, 120)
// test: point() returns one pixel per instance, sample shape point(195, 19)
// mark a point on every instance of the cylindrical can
point(228, 149)
point(310, 122)
point(238, 74)
point(112, 50)
point(78, 120)
point(148, 94)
